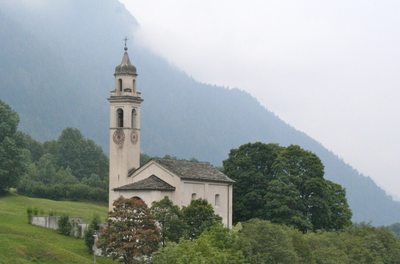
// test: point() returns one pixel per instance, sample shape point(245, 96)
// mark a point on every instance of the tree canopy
point(199, 216)
point(169, 219)
point(12, 145)
point(285, 185)
point(131, 232)
point(69, 168)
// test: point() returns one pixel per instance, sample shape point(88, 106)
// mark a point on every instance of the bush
point(29, 213)
point(35, 210)
point(64, 226)
point(89, 239)
point(89, 234)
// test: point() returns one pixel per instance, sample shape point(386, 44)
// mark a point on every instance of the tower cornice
point(125, 99)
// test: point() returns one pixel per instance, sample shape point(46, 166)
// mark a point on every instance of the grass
point(21, 242)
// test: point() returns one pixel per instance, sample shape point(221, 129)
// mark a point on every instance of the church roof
point(193, 170)
point(125, 66)
point(150, 183)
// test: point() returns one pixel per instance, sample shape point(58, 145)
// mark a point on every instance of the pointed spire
point(125, 67)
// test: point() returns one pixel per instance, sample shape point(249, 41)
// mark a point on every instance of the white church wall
point(209, 190)
point(192, 190)
point(147, 196)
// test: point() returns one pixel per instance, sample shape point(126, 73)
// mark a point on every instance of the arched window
point(217, 200)
point(120, 84)
point(193, 196)
point(120, 118)
point(133, 118)
point(134, 85)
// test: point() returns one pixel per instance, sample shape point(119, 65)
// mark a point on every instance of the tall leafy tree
point(251, 167)
point(169, 219)
point(12, 145)
point(131, 232)
point(286, 186)
point(81, 155)
point(305, 171)
point(199, 216)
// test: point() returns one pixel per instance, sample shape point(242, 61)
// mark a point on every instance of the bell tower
point(125, 103)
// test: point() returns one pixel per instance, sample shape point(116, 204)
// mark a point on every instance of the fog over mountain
point(57, 64)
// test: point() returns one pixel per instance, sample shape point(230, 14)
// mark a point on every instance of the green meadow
point(21, 242)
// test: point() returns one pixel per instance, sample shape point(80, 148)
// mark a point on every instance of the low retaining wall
point(78, 228)
point(51, 222)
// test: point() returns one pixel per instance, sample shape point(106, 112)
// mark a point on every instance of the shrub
point(64, 226)
point(35, 210)
point(29, 213)
point(89, 234)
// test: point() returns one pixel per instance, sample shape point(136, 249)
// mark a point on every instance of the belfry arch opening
point(134, 118)
point(120, 117)
point(120, 85)
point(134, 85)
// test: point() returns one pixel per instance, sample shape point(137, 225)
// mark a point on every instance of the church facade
point(180, 180)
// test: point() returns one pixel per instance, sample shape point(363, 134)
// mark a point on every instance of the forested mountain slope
point(56, 70)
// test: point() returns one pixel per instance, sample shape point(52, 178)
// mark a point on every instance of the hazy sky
point(329, 68)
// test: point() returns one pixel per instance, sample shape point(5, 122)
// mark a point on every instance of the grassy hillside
point(24, 243)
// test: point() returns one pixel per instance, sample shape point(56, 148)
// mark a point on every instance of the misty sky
point(328, 68)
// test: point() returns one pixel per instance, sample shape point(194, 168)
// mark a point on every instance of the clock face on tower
point(134, 137)
point(119, 137)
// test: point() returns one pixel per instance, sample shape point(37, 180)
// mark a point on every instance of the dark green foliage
point(13, 158)
point(36, 149)
point(263, 242)
point(199, 216)
point(215, 246)
point(285, 186)
point(251, 167)
point(81, 155)
point(58, 173)
point(169, 219)
point(64, 225)
point(144, 158)
point(75, 192)
point(29, 213)
point(395, 228)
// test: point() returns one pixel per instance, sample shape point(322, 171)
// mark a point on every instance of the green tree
point(13, 158)
point(395, 228)
point(64, 225)
point(304, 170)
point(199, 216)
point(81, 155)
point(131, 232)
point(286, 186)
point(251, 167)
point(90, 232)
point(144, 158)
point(170, 220)
point(340, 213)
point(264, 242)
point(215, 246)
point(35, 148)
point(46, 170)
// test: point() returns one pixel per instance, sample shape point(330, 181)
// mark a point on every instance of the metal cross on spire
point(125, 39)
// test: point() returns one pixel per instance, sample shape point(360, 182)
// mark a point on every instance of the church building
point(180, 180)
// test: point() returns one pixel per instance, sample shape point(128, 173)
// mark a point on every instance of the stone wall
point(51, 222)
